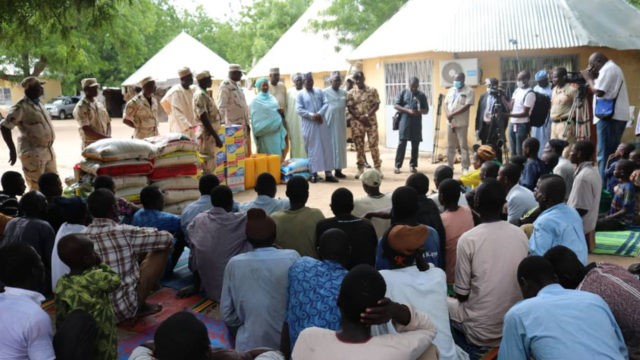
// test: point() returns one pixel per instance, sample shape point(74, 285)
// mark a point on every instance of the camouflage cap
point(145, 81)
point(203, 75)
point(29, 81)
point(89, 82)
point(184, 72)
point(235, 67)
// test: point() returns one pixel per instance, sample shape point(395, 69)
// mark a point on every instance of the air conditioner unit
point(449, 69)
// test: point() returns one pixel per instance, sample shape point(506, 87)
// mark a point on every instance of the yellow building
point(12, 92)
point(490, 38)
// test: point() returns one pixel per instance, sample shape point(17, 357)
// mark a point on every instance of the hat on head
point(89, 82)
point(203, 75)
point(334, 75)
point(371, 178)
point(297, 76)
point(30, 81)
point(234, 67)
point(486, 152)
point(259, 225)
point(274, 70)
point(307, 76)
point(407, 239)
point(541, 75)
point(145, 81)
point(184, 72)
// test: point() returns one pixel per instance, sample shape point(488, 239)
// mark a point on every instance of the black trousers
point(75, 338)
point(402, 149)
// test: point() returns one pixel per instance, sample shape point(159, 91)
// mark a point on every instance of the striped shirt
point(119, 246)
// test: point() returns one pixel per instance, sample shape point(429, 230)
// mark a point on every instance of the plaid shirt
point(119, 246)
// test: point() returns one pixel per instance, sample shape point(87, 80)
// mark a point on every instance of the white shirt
point(519, 201)
point(25, 329)
point(610, 79)
point(58, 268)
point(369, 204)
point(427, 292)
point(522, 98)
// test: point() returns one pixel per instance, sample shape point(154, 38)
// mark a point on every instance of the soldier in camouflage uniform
point(362, 104)
point(206, 111)
point(232, 104)
point(35, 143)
point(93, 118)
point(141, 112)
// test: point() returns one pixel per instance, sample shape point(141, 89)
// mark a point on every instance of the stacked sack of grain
point(127, 161)
point(295, 167)
point(175, 170)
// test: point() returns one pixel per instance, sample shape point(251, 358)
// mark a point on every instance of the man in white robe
point(293, 120)
point(335, 118)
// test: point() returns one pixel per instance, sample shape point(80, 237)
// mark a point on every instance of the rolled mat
point(621, 243)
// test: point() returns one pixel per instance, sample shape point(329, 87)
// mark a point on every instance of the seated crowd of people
point(496, 261)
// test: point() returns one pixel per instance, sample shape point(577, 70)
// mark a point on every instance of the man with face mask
point(411, 104)
point(93, 118)
point(490, 130)
point(457, 103)
point(178, 103)
point(522, 102)
point(293, 119)
point(35, 143)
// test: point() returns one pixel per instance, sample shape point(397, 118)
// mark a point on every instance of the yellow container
point(249, 173)
point(260, 164)
point(273, 166)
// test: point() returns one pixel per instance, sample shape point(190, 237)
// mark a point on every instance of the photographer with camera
point(611, 104)
point(564, 94)
point(491, 119)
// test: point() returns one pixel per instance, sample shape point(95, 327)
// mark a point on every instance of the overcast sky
point(219, 9)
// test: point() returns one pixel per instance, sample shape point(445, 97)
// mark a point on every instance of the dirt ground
point(67, 147)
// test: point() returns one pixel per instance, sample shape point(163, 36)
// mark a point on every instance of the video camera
point(496, 92)
point(576, 78)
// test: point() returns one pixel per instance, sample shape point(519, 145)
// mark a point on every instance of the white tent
point(302, 49)
point(182, 51)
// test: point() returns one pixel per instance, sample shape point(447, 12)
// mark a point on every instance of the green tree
point(355, 20)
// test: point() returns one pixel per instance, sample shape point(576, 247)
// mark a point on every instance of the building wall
point(52, 88)
point(489, 64)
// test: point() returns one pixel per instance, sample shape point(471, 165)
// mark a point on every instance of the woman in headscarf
point(266, 122)
point(483, 154)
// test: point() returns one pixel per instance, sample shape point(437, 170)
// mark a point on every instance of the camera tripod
point(579, 116)
point(497, 129)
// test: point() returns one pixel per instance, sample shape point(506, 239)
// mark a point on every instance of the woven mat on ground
point(181, 276)
point(144, 329)
point(622, 243)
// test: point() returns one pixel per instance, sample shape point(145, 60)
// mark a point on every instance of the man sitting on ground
point(255, 305)
point(587, 189)
point(13, 185)
point(618, 287)
point(624, 206)
point(314, 286)
point(360, 232)
point(216, 236)
point(76, 218)
point(296, 227)
point(32, 229)
point(486, 285)
point(375, 201)
point(152, 216)
point(534, 167)
point(404, 221)
point(362, 304)
point(564, 168)
point(422, 286)
point(51, 187)
point(457, 220)
point(88, 287)
point(519, 199)
point(442, 173)
point(428, 212)
point(126, 208)
point(26, 329)
point(555, 323)
point(121, 247)
point(266, 189)
point(558, 224)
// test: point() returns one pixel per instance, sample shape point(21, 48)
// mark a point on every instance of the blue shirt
point(431, 251)
point(199, 206)
point(561, 324)
point(313, 294)
point(160, 220)
point(559, 225)
point(532, 171)
point(266, 203)
point(254, 296)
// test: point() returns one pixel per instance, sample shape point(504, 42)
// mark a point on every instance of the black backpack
point(540, 110)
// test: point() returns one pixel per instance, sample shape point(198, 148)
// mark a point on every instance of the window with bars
point(5, 96)
point(509, 68)
point(397, 75)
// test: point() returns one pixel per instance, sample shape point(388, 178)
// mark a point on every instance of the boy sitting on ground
point(623, 205)
point(88, 287)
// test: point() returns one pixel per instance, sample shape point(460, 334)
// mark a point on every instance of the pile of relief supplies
point(295, 167)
